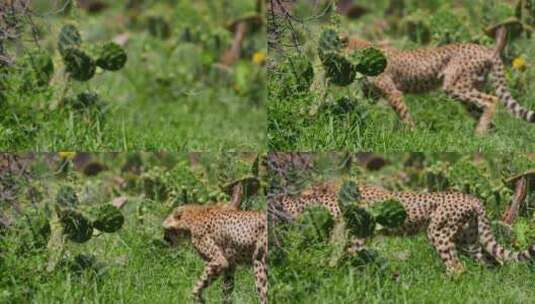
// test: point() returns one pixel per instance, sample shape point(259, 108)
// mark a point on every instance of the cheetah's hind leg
point(227, 284)
point(217, 263)
point(467, 241)
point(260, 271)
point(461, 86)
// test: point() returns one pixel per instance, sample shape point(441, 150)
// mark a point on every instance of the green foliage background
point(170, 95)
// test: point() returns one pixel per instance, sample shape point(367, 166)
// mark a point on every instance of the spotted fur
point(224, 237)
point(453, 220)
point(459, 69)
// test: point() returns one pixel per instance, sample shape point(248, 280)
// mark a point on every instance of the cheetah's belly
point(417, 72)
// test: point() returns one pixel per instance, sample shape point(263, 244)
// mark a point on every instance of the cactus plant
point(348, 194)
point(337, 68)
point(316, 224)
point(69, 37)
point(42, 67)
point(76, 227)
point(363, 257)
point(78, 64)
point(359, 221)
point(369, 61)
point(81, 262)
point(389, 213)
point(35, 228)
point(66, 196)
point(112, 57)
point(329, 42)
point(298, 72)
point(109, 219)
point(85, 99)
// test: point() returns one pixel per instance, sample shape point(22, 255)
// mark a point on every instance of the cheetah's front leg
point(217, 263)
point(395, 98)
point(441, 233)
point(227, 285)
point(260, 271)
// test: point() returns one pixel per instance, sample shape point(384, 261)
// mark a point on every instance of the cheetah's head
point(175, 227)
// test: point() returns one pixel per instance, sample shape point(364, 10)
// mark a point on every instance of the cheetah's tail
point(501, 41)
point(487, 240)
point(498, 80)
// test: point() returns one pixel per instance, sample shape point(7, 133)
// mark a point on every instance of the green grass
point(413, 273)
point(168, 97)
point(311, 121)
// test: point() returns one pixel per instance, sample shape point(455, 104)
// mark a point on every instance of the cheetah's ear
point(177, 214)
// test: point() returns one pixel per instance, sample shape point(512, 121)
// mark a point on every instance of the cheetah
point(322, 194)
point(459, 69)
point(224, 237)
point(453, 220)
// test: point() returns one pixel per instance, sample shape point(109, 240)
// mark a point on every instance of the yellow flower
point(259, 57)
point(66, 155)
point(519, 63)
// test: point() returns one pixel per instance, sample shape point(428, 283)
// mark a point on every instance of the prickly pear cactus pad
point(112, 57)
point(329, 42)
point(369, 61)
point(66, 196)
point(109, 219)
point(389, 213)
point(76, 227)
point(69, 37)
point(363, 257)
point(359, 221)
point(316, 224)
point(42, 67)
point(348, 195)
point(78, 64)
point(85, 99)
point(299, 72)
point(337, 68)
